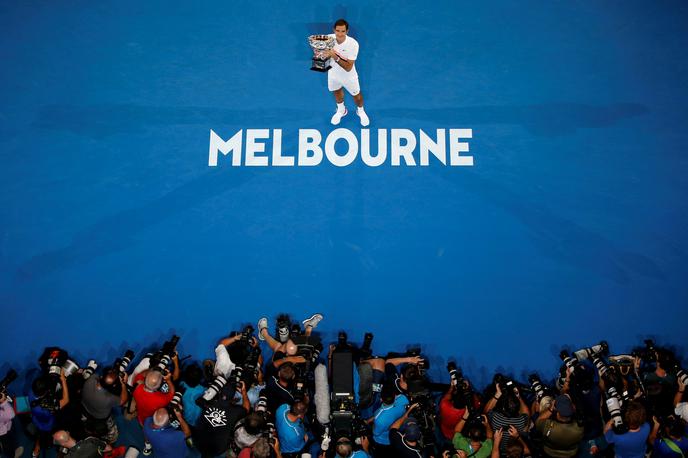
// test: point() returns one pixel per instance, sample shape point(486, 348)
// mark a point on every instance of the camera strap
point(674, 447)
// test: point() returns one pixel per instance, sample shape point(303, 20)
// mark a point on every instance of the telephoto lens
point(537, 386)
point(589, 352)
point(569, 361)
point(89, 369)
point(123, 363)
point(600, 365)
point(70, 367)
point(613, 404)
point(214, 388)
point(175, 404)
point(454, 372)
point(10, 377)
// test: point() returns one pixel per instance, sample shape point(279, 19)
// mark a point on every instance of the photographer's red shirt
point(449, 417)
point(147, 403)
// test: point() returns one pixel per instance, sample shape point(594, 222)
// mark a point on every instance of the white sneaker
point(364, 117)
point(337, 116)
point(312, 321)
point(262, 324)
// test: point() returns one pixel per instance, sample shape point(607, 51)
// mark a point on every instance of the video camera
point(345, 419)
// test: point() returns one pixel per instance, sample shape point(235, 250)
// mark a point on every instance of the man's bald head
point(61, 437)
point(161, 418)
point(153, 380)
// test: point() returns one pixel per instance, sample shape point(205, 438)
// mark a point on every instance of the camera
point(247, 333)
point(600, 365)
point(175, 404)
point(161, 359)
point(505, 384)
point(90, 368)
point(10, 377)
point(614, 404)
point(587, 353)
point(212, 391)
point(366, 351)
point(648, 353)
point(681, 374)
point(121, 364)
point(569, 361)
point(539, 389)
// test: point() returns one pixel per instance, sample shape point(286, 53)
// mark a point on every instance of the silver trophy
point(320, 44)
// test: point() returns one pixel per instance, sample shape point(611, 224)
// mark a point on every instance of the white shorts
point(350, 84)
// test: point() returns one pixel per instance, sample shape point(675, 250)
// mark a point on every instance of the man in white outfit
point(343, 74)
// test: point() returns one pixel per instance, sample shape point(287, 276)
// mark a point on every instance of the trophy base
point(317, 68)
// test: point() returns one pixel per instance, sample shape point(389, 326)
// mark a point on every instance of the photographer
point(100, 395)
point(214, 430)
point(192, 388)
point(393, 406)
point(156, 391)
point(669, 440)
point(477, 443)
point(507, 409)
point(407, 443)
point(44, 408)
point(452, 408)
point(561, 435)
point(631, 444)
point(660, 384)
point(291, 430)
point(166, 440)
point(587, 398)
point(278, 390)
point(8, 440)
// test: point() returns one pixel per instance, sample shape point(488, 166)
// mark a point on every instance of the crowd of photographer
point(348, 402)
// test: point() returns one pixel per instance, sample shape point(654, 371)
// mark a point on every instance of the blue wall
point(570, 227)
